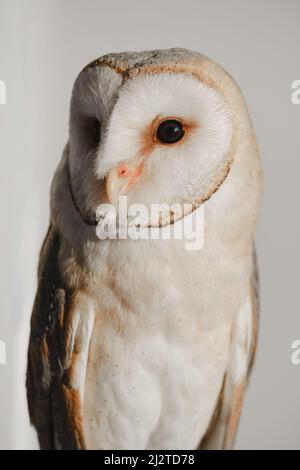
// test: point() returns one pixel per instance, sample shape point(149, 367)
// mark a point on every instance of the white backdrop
point(43, 46)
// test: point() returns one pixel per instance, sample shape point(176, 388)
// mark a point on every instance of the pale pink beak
point(119, 180)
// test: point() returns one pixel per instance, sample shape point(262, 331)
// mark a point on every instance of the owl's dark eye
point(170, 131)
point(96, 131)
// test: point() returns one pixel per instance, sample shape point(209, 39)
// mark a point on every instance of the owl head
point(157, 127)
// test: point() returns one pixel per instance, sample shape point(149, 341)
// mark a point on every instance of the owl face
point(156, 138)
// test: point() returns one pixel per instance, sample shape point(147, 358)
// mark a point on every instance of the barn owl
point(135, 343)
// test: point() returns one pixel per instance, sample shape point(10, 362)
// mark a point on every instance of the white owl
point(142, 344)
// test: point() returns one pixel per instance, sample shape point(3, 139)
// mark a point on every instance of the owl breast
point(157, 354)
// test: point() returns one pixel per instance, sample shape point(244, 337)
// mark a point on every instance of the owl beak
point(120, 179)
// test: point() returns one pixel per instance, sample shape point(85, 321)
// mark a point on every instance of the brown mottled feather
point(54, 406)
point(255, 309)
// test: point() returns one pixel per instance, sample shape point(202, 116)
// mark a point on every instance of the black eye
point(96, 131)
point(170, 131)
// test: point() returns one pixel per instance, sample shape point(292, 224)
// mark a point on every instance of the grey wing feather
point(54, 406)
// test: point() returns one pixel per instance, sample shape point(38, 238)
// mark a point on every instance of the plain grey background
point(43, 46)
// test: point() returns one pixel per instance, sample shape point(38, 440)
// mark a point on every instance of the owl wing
point(57, 355)
point(223, 426)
